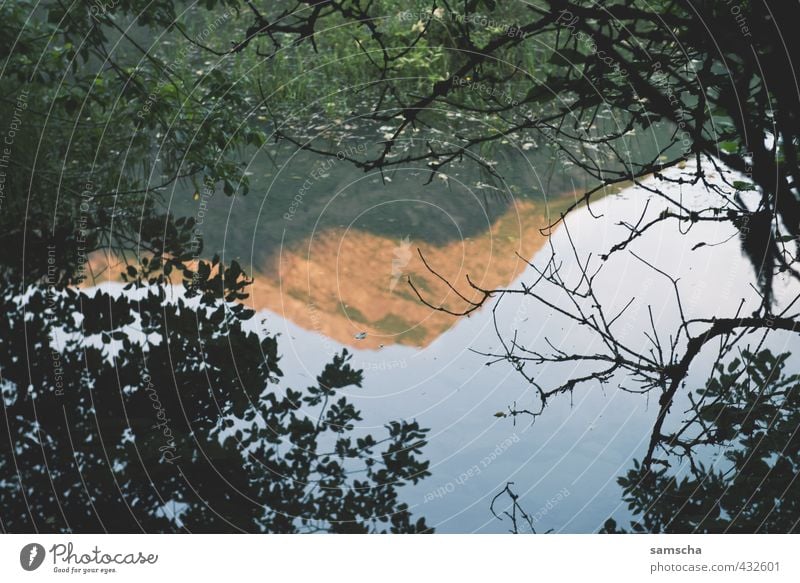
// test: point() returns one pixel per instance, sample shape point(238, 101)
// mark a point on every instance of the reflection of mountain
point(301, 194)
point(344, 283)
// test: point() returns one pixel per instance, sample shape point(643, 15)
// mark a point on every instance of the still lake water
point(332, 260)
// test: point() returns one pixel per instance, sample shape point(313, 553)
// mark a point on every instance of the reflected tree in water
point(159, 415)
point(732, 464)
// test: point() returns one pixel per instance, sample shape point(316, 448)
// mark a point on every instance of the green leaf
point(538, 94)
point(568, 57)
point(741, 186)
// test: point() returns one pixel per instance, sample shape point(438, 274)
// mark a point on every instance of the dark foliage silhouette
point(159, 415)
point(733, 463)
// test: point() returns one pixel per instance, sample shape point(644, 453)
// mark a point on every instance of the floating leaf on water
point(741, 185)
